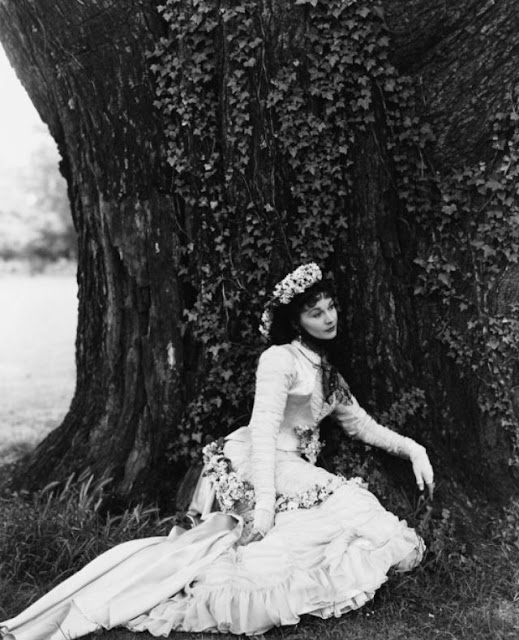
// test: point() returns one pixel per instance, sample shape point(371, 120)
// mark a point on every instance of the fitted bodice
point(297, 378)
point(305, 404)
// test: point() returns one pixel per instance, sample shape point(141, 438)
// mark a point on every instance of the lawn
point(37, 368)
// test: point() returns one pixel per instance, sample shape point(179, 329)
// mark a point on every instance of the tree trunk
point(465, 57)
point(86, 72)
point(138, 367)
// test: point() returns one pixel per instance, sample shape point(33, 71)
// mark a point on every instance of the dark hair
point(285, 321)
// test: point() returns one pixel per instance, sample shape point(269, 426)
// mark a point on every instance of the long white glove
point(360, 425)
point(274, 376)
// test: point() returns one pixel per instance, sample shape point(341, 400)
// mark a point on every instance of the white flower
point(229, 488)
point(309, 498)
point(293, 284)
point(266, 323)
point(309, 443)
point(297, 282)
point(357, 481)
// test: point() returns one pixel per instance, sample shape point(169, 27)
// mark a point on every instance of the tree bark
point(464, 56)
point(85, 69)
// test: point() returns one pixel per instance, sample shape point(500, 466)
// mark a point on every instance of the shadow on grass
point(15, 451)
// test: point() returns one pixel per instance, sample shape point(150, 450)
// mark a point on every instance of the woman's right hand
point(263, 522)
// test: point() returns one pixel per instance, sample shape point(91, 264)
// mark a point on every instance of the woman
point(288, 537)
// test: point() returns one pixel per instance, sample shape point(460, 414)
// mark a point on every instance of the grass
point(465, 589)
point(47, 536)
point(37, 369)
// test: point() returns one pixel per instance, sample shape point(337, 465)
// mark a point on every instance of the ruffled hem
point(325, 562)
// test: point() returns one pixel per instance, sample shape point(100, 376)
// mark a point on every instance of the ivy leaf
point(493, 185)
point(445, 278)
point(488, 250)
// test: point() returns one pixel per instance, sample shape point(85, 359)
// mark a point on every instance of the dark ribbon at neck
point(334, 385)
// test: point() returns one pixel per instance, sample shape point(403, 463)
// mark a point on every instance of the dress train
point(325, 561)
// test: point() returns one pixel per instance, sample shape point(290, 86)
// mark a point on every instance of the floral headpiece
point(293, 284)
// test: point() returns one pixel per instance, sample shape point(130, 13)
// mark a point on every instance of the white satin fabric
point(125, 581)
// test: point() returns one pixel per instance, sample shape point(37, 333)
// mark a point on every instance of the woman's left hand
point(423, 470)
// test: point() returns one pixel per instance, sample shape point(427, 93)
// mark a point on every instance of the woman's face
point(320, 320)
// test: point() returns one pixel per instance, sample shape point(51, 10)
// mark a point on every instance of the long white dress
point(330, 548)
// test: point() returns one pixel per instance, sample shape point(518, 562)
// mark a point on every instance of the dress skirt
point(325, 560)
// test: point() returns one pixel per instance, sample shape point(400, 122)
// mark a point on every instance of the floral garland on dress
point(229, 488)
point(232, 492)
point(310, 444)
point(315, 495)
